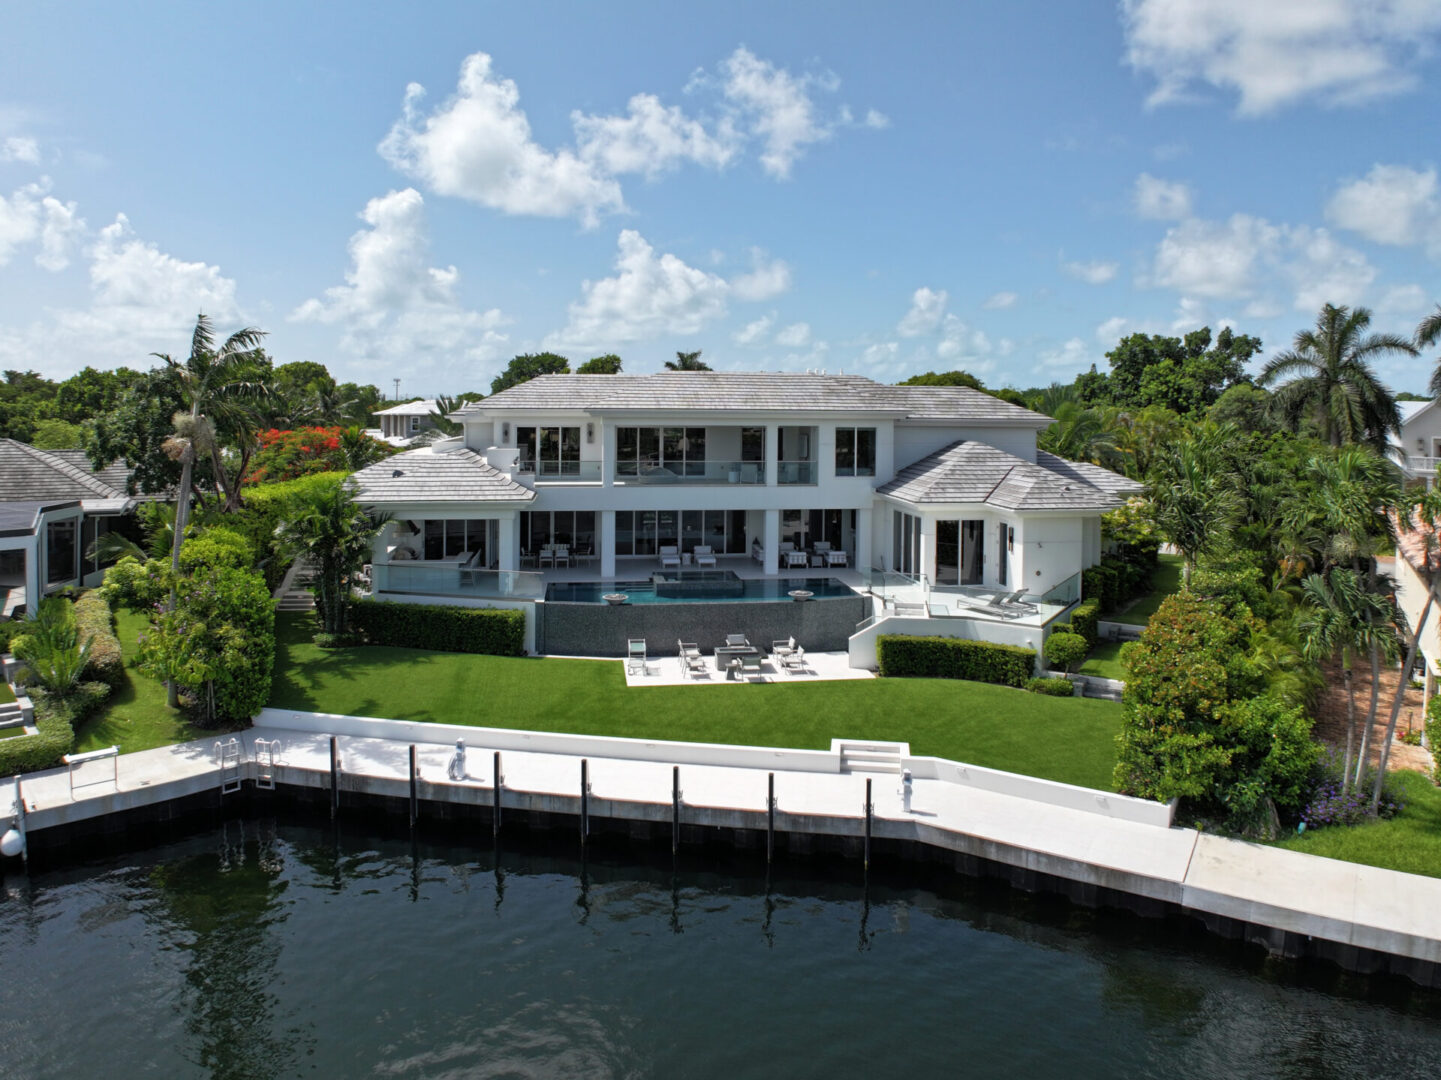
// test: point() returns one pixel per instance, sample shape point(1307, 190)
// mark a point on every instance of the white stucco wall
point(915, 441)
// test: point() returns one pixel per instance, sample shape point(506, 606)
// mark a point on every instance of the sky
point(420, 192)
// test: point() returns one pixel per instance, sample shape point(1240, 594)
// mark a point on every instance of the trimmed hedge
point(1085, 618)
point(96, 623)
point(55, 718)
point(1116, 579)
point(1065, 650)
point(901, 655)
point(7, 631)
point(442, 628)
point(1051, 687)
point(1433, 730)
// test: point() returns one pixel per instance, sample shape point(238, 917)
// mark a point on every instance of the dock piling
point(675, 809)
point(584, 800)
point(414, 790)
point(869, 810)
point(334, 778)
point(770, 817)
point(495, 810)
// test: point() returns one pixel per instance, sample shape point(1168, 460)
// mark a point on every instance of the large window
point(906, 543)
point(644, 532)
point(445, 538)
point(856, 451)
point(60, 552)
point(549, 451)
point(573, 528)
point(644, 451)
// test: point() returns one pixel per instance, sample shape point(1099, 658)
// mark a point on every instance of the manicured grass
point(1167, 580)
point(11, 732)
point(1411, 841)
point(7, 696)
point(1105, 661)
point(1066, 739)
point(135, 717)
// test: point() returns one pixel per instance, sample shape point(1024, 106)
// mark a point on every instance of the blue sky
point(423, 191)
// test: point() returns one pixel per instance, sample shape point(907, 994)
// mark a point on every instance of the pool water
point(690, 586)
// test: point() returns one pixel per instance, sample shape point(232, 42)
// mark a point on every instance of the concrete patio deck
point(819, 666)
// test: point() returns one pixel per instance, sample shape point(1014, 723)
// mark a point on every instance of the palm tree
point(1427, 334)
point(1331, 380)
point(686, 361)
point(208, 378)
point(334, 533)
point(1080, 433)
point(1194, 495)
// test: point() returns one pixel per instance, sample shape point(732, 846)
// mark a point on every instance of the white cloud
point(1275, 54)
point(477, 145)
point(880, 355)
point(1074, 355)
point(778, 107)
point(999, 300)
point(20, 148)
point(31, 215)
point(927, 307)
point(652, 138)
point(1161, 200)
point(1112, 329)
point(876, 120)
point(767, 278)
point(393, 305)
point(1392, 204)
point(795, 336)
point(1092, 273)
point(1409, 300)
point(1322, 271)
point(649, 295)
point(963, 347)
point(754, 333)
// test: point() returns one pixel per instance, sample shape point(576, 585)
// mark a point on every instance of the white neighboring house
point(400, 424)
point(1412, 575)
point(943, 485)
point(1418, 450)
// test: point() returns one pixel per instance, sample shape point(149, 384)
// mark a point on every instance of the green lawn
point(1105, 661)
point(136, 716)
point(1411, 841)
point(1167, 580)
point(11, 732)
point(1066, 739)
point(7, 696)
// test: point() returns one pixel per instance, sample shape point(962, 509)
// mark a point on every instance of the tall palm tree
point(687, 361)
point(1331, 380)
point(1194, 495)
point(210, 378)
point(334, 533)
point(1427, 334)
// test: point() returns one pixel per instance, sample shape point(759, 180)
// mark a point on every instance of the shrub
point(7, 631)
point(1433, 730)
point(954, 658)
point(335, 641)
point(55, 718)
point(1331, 804)
point(96, 624)
point(443, 628)
point(218, 545)
point(1084, 619)
point(50, 649)
point(266, 505)
point(1051, 687)
point(1065, 650)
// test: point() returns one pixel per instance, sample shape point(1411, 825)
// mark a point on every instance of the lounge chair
point(704, 556)
point(636, 662)
point(691, 661)
point(669, 556)
point(796, 559)
point(837, 558)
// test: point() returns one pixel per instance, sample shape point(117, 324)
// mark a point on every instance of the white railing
point(1421, 464)
point(451, 579)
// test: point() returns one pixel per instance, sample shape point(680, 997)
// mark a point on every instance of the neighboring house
point(399, 424)
point(1418, 450)
point(941, 484)
point(1412, 573)
point(52, 507)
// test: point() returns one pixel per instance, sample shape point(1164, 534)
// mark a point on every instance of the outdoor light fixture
point(590, 432)
point(504, 433)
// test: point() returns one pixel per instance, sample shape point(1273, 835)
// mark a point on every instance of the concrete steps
point(295, 601)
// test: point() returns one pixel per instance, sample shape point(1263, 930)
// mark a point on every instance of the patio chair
point(704, 556)
point(636, 662)
point(1010, 605)
point(794, 660)
point(751, 664)
point(561, 555)
point(820, 547)
point(837, 558)
point(738, 640)
point(782, 649)
point(669, 556)
point(547, 555)
point(796, 559)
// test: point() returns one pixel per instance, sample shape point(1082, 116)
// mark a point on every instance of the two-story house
point(769, 473)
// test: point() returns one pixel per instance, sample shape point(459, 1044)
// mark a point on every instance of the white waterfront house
point(401, 424)
point(773, 474)
point(1418, 448)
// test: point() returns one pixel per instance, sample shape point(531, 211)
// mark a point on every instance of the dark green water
point(292, 953)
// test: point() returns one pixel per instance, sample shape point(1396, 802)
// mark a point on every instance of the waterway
point(268, 949)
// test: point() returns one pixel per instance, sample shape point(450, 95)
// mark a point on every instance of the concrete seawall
point(1094, 847)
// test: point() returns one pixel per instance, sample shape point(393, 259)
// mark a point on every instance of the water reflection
point(268, 950)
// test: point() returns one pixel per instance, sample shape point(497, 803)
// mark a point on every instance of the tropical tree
point(329, 529)
point(50, 651)
point(1331, 381)
point(1194, 495)
point(687, 361)
point(210, 378)
point(527, 366)
point(1427, 334)
point(609, 364)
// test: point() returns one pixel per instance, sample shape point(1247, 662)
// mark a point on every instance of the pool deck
point(1091, 841)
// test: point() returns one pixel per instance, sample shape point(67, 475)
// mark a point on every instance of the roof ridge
point(74, 472)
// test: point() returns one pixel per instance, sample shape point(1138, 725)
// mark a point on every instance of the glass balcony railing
point(796, 472)
point(455, 579)
point(559, 472)
point(691, 472)
point(1066, 593)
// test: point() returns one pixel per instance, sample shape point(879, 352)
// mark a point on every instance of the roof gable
point(974, 472)
point(31, 475)
point(427, 476)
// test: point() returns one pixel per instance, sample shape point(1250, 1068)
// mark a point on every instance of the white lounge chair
point(636, 662)
point(704, 556)
point(669, 556)
point(561, 555)
point(837, 558)
point(796, 559)
point(691, 660)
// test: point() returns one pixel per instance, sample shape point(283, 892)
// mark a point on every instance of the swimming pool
point(692, 586)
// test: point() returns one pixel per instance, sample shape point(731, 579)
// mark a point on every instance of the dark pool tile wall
point(822, 625)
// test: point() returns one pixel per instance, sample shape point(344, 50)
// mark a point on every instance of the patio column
point(508, 526)
point(607, 543)
point(34, 569)
point(928, 548)
point(772, 540)
point(772, 469)
point(863, 539)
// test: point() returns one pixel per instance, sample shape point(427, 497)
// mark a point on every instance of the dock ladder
point(227, 756)
point(266, 751)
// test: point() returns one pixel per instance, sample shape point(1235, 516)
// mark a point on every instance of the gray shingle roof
point(425, 476)
point(409, 408)
point(31, 475)
point(1087, 473)
point(974, 472)
point(766, 391)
